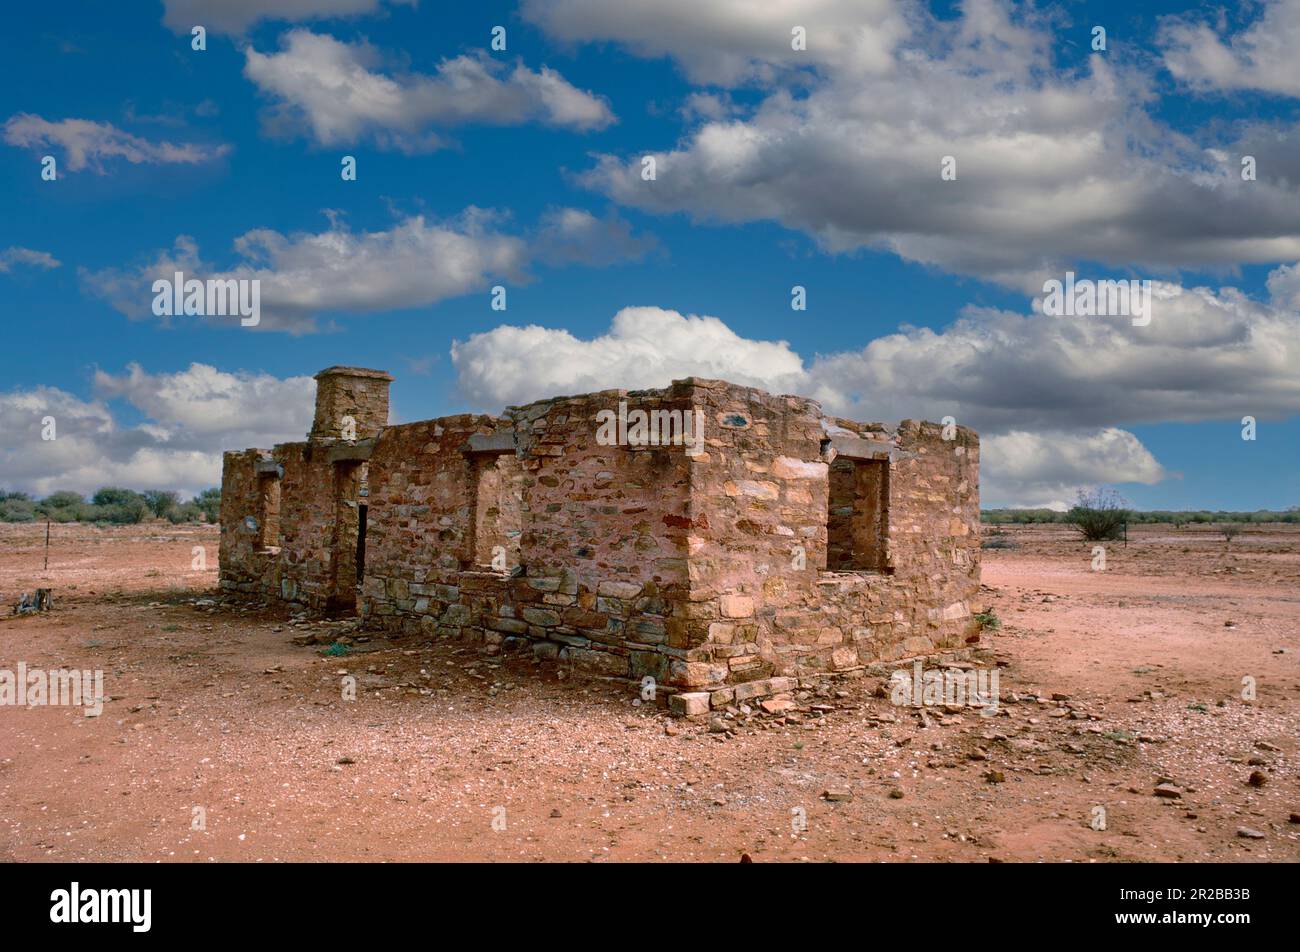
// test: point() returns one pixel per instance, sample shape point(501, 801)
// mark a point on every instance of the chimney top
point(338, 370)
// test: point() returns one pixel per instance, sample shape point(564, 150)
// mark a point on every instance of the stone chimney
point(351, 403)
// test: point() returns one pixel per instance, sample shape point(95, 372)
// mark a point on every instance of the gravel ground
point(228, 738)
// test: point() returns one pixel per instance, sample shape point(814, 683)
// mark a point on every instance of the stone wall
point(760, 586)
point(351, 403)
point(307, 513)
point(702, 566)
point(289, 516)
point(420, 519)
point(594, 536)
point(246, 565)
point(312, 559)
point(605, 526)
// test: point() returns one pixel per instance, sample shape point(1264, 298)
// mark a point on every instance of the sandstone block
point(689, 704)
point(619, 589)
point(736, 606)
point(786, 467)
point(541, 616)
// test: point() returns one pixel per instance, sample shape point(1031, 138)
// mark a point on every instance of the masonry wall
point(608, 525)
point(307, 513)
point(245, 566)
point(599, 559)
point(705, 571)
point(759, 499)
point(351, 403)
point(926, 601)
point(420, 519)
point(760, 589)
point(316, 527)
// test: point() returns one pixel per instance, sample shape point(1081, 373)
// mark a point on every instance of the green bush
point(15, 507)
point(1099, 515)
point(210, 502)
point(160, 501)
point(126, 513)
point(61, 503)
point(115, 496)
point(113, 505)
point(187, 512)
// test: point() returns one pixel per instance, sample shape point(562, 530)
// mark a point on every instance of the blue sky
point(521, 168)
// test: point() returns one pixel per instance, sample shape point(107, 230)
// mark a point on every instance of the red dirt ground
point(214, 707)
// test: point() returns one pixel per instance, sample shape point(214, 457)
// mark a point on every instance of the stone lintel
point(351, 452)
point(501, 442)
point(854, 447)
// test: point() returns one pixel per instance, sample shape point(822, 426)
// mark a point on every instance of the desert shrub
point(16, 507)
point(118, 514)
point(116, 496)
point(1001, 517)
point(160, 501)
point(1099, 514)
point(999, 540)
point(61, 503)
point(988, 620)
point(1230, 530)
point(186, 512)
point(113, 504)
point(1177, 518)
point(66, 514)
point(209, 501)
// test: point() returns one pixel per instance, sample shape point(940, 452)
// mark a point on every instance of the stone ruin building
point(778, 544)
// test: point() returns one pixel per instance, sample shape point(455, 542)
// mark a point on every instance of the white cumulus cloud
point(189, 418)
point(1260, 57)
point(417, 262)
point(339, 94)
point(1056, 163)
point(1050, 396)
point(87, 144)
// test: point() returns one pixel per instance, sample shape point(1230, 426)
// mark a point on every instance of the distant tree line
point(111, 504)
point(1180, 517)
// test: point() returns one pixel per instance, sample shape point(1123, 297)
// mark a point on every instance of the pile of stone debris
point(31, 603)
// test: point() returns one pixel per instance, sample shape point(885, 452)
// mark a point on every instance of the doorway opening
point(362, 512)
point(348, 542)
